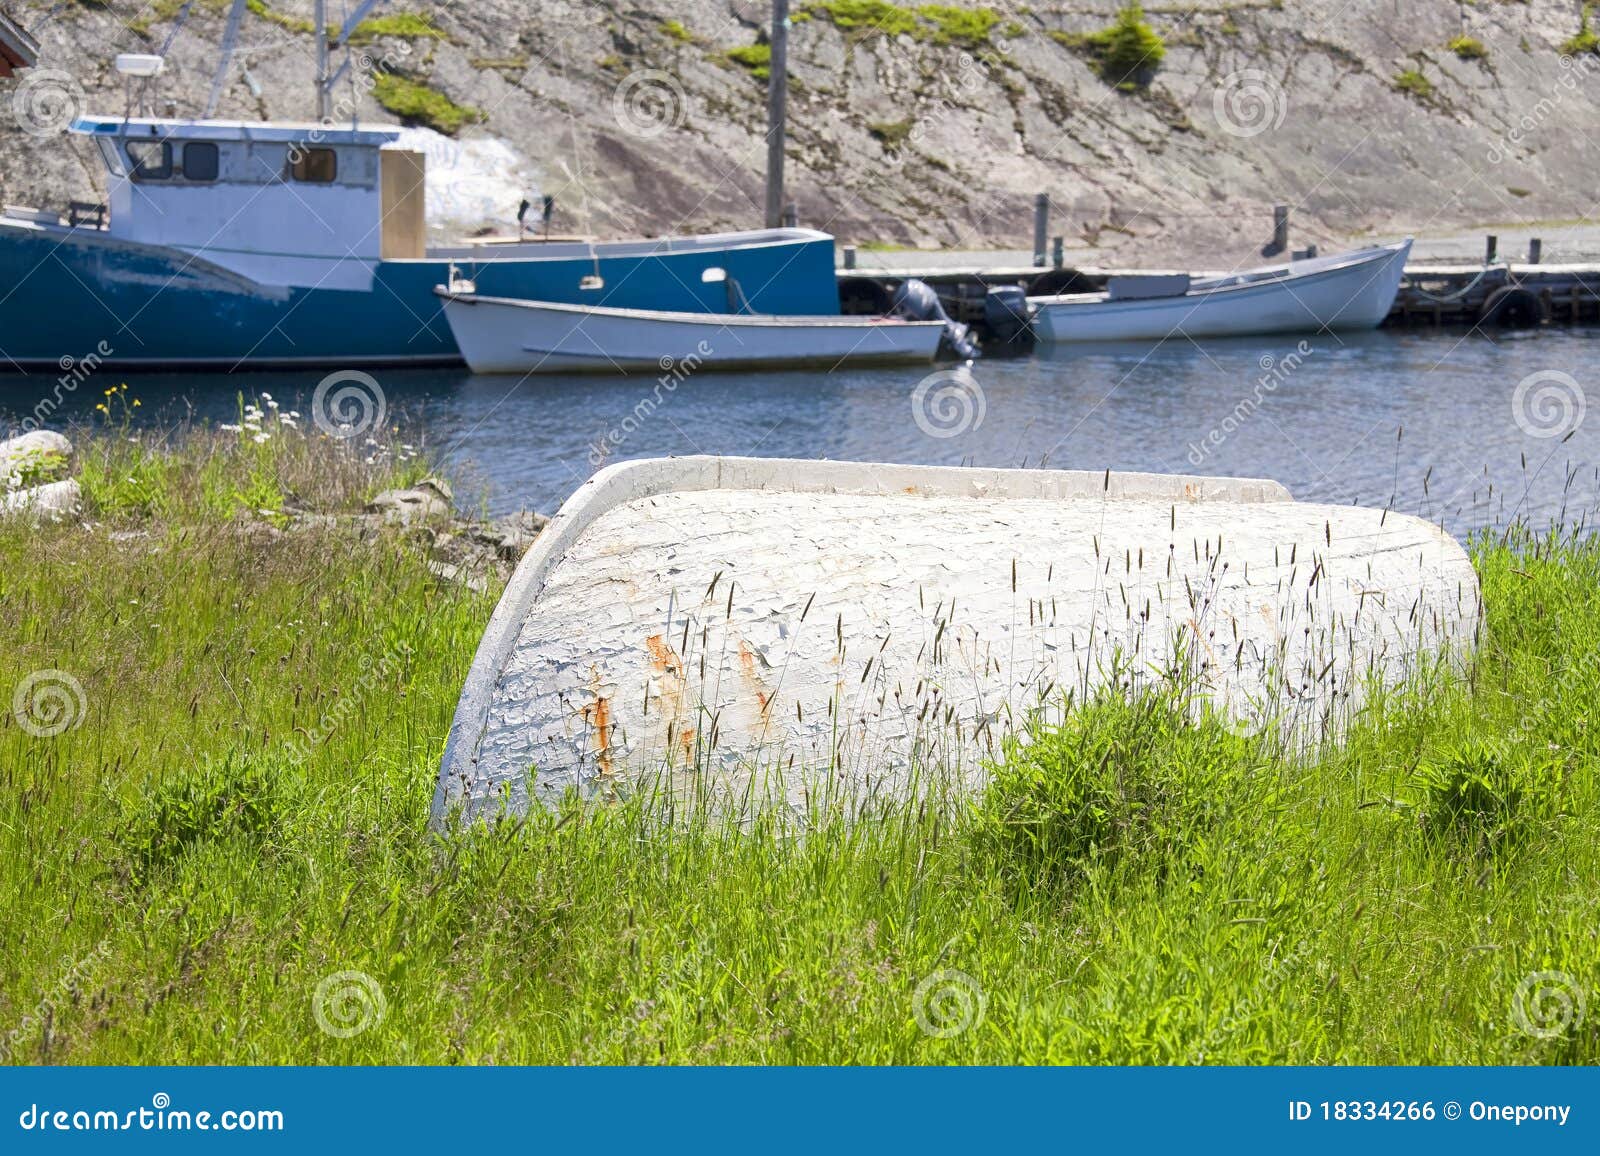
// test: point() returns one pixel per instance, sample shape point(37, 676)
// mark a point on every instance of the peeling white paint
point(772, 626)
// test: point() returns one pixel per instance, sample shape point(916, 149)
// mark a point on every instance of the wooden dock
point(1502, 295)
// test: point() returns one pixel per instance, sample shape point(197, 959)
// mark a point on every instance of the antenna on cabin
point(141, 67)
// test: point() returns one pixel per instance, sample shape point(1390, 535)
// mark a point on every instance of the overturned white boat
point(1352, 290)
point(504, 335)
point(773, 631)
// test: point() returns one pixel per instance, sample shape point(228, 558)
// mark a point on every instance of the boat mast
point(320, 17)
point(325, 79)
point(230, 39)
point(777, 91)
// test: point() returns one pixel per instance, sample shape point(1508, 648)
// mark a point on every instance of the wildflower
point(261, 437)
point(226, 428)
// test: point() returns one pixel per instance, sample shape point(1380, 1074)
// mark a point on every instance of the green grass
point(242, 813)
point(1412, 82)
point(402, 25)
point(1126, 54)
point(1585, 40)
point(675, 30)
point(418, 104)
point(757, 58)
point(1468, 48)
point(941, 24)
point(893, 133)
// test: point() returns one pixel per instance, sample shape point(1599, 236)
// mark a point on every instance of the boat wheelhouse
point(235, 244)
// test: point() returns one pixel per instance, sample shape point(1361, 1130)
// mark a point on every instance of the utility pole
point(777, 92)
point(320, 15)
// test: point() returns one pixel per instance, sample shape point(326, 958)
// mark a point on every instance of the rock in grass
point(36, 457)
point(53, 501)
point(428, 500)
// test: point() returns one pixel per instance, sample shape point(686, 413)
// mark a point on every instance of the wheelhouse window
point(200, 161)
point(150, 160)
point(318, 166)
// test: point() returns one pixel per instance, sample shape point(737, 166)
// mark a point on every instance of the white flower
point(229, 428)
point(261, 437)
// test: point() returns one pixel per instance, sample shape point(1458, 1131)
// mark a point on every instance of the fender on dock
point(773, 627)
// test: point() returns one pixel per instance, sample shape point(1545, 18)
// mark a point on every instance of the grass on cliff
point(941, 24)
point(228, 854)
point(1126, 54)
point(416, 103)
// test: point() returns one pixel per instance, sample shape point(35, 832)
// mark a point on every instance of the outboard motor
point(915, 300)
point(1008, 318)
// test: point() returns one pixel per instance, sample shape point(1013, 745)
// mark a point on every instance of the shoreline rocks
point(33, 475)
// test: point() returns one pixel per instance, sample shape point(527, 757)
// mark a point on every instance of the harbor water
point(1465, 429)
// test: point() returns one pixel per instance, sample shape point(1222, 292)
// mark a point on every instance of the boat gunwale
point(1359, 259)
point(706, 320)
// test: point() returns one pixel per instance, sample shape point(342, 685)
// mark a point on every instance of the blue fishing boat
point(236, 244)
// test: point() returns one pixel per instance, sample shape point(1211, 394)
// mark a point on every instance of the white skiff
point(502, 335)
point(766, 629)
point(1344, 291)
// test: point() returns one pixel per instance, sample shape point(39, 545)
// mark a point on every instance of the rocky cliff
point(924, 125)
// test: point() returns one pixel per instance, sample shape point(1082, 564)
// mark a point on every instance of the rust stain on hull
point(752, 677)
point(597, 715)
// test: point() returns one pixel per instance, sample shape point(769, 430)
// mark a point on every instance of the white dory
point(1344, 291)
point(501, 335)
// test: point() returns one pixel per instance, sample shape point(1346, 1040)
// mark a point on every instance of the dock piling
point(1058, 252)
point(1280, 232)
point(1490, 244)
point(1535, 250)
point(1041, 227)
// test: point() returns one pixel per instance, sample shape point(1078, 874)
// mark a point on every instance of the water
point(1324, 417)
